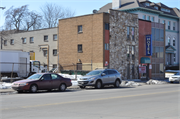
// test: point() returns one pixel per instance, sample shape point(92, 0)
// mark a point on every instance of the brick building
point(84, 41)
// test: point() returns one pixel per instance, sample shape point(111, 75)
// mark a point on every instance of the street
point(143, 102)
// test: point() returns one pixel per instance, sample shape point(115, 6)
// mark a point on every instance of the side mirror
point(103, 74)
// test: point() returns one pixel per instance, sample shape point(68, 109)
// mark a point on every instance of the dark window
point(128, 54)
point(107, 26)
point(174, 24)
point(24, 40)
point(5, 42)
point(55, 52)
point(45, 52)
point(174, 57)
point(133, 52)
point(46, 77)
point(157, 35)
point(55, 37)
point(128, 37)
point(80, 29)
point(54, 65)
point(12, 41)
point(110, 72)
point(46, 38)
point(169, 25)
point(80, 48)
point(133, 31)
point(106, 72)
point(31, 40)
point(174, 42)
point(161, 35)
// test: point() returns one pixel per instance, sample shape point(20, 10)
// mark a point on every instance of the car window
point(55, 76)
point(46, 77)
point(106, 72)
point(110, 72)
point(95, 72)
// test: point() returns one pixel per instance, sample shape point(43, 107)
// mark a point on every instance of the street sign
point(106, 63)
point(142, 69)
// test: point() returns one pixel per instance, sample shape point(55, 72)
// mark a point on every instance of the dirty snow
point(151, 81)
point(5, 85)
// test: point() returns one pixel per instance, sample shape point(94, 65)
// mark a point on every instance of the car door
point(46, 82)
point(105, 78)
point(112, 76)
point(56, 80)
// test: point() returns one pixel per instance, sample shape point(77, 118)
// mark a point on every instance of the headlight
point(23, 84)
point(92, 78)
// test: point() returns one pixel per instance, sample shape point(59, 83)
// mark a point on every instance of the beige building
point(39, 42)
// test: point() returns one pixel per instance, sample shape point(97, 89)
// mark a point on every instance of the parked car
point(100, 77)
point(175, 77)
point(42, 81)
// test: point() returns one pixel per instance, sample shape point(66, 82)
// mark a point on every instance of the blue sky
point(81, 7)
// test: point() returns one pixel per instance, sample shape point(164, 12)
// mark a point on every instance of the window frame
point(12, 43)
point(24, 41)
point(45, 40)
point(56, 37)
point(45, 52)
point(31, 41)
point(128, 32)
point(80, 29)
point(169, 25)
point(80, 50)
point(54, 52)
point(5, 42)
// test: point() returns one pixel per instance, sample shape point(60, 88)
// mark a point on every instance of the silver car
point(100, 77)
point(175, 77)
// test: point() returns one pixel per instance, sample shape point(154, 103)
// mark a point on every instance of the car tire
point(82, 87)
point(171, 81)
point(117, 83)
point(20, 91)
point(62, 87)
point(98, 84)
point(33, 89)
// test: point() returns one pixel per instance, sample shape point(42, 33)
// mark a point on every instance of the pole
point(48, 58)
point(1, 42)
point(12, 72)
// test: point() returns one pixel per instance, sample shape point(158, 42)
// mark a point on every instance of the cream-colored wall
point(38, 40)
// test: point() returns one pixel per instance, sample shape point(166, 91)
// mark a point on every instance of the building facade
point(42, 45)
point(159, 13)
point(83, 42)
point(124, 43)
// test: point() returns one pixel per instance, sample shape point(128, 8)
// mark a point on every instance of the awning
point(145, 60)
point(170, 49)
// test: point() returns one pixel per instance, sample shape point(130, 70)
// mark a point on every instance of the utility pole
point(1, 33)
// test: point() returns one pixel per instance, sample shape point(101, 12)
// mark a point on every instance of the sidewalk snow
point(5, 85)
point(151, 81)
point(130, 83)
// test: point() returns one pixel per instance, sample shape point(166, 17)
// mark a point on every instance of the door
point(45, 82)
point(56, 81)
point(106, 77)
point(112, 76)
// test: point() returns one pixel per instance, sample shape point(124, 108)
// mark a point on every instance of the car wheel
point(62, 87)
point(171, 81)
point(82, 87)
point(98, 85)
point(33, 89)
point(116, 83)
point(20, 91)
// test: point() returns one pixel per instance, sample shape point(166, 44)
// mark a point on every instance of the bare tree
point(52, 12)
point(21, 19)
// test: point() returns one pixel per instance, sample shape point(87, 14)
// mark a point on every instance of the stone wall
point(119, 21)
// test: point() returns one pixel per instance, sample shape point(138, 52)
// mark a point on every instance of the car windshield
point(35, 76)
point(94, 73)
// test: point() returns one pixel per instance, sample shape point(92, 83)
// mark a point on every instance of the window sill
point(54, 55)
point(80, 32)
point(45, 40)
point(80, 51)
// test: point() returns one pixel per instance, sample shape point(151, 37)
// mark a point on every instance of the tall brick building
point(84, 40)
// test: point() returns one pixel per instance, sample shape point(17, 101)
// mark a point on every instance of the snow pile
point(5, 85)
point(151, 81)
point(132, 83)
point(74, 83)
point(70, 76)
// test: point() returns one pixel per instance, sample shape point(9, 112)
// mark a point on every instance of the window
point(161, 52)
point(128, 33)
point(144, 17)
point(161, 35)
point(174, 24)
point(46, 77)
point(54, 65)
point(157, 36)
point(24, 40)
point(133, 52)
point(159, 21)
point(169, 25)
point(107, 26)
point(147, 4)
point(153, 33)
point(106, 46)
point(156, 7)
point(174, 57)
point(12, 41)
point(163, 21)
point(31, 40)
point(55, 37)
point(5, 42)
point(132, 33)
point(128, 54)
point(148, 18)
point(45, 38)
point(80, 29)
point(169, 40)
point(174, 42)
point(45, 52)
point(55, 52)
point(80, 48)
point(152, 19)
point(165, 10)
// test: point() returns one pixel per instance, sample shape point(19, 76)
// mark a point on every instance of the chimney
point(116, 4)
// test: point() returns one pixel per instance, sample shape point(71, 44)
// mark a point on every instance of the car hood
point(25, 81)
point(88, 76)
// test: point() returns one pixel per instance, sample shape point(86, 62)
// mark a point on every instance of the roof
point(129, 4)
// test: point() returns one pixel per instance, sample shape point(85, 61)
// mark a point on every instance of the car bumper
point(174, 79)
point(86, 83)
point(17, 88)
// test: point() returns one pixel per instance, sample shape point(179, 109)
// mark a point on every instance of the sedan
point(42, 81)
point(175, 77)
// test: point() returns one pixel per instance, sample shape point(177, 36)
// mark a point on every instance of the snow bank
point(70, 76)
point(130, 83)
point(5, 85)
point(155, 82)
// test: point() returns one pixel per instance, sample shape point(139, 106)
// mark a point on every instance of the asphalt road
point(144, 102)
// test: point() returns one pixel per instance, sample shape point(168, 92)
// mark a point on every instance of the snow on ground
point(5, 85)
point(70, 76)
point(151, 81)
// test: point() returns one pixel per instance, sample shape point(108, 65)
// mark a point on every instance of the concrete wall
point(38, 36)
point(119, 21)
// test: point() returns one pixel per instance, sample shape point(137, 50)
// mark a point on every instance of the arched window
point(169, 40)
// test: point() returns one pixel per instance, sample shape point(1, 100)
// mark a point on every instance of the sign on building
point(148, 45)
point(142, 69)
point(32, 55)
